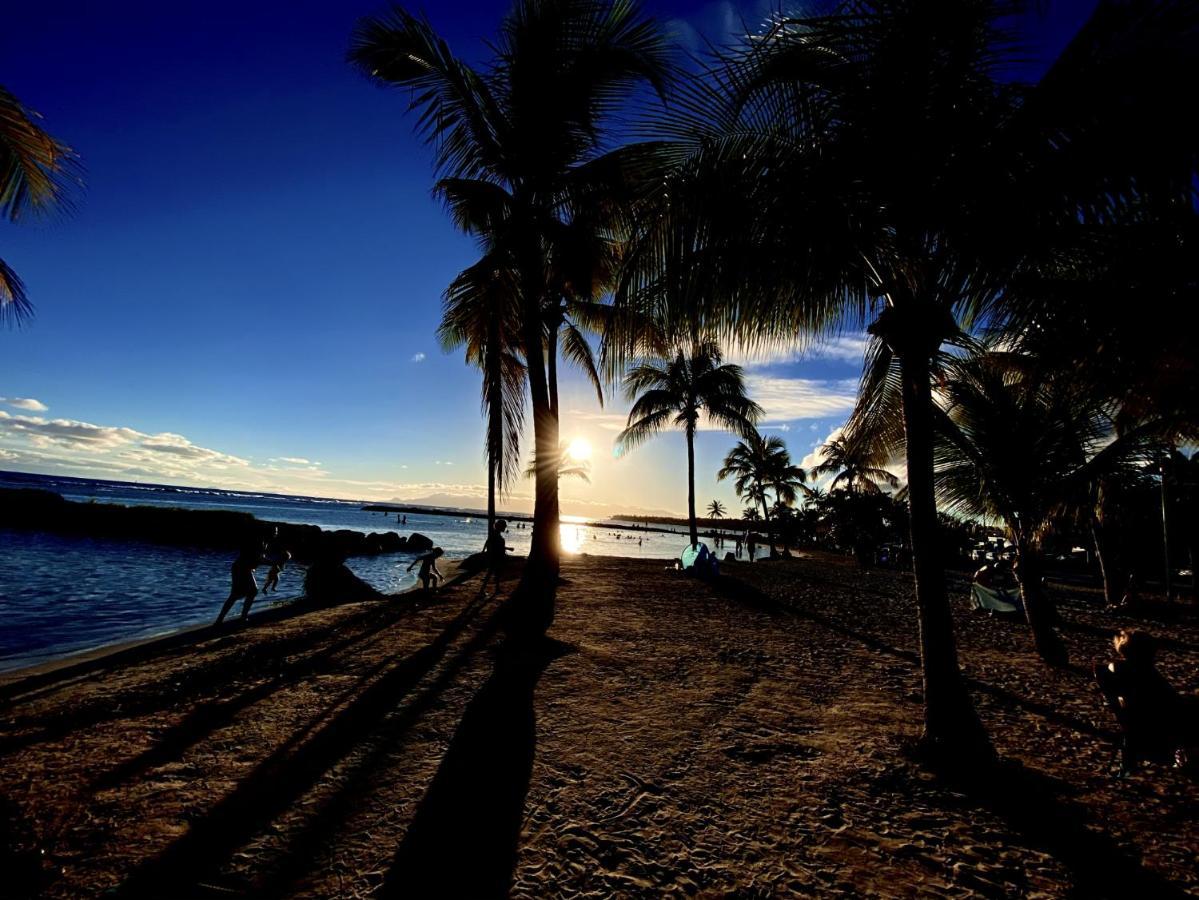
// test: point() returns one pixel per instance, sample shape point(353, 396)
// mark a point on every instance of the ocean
point(61, 595)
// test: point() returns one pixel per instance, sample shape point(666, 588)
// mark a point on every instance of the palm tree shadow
point(1030, 803)
point(463, 839)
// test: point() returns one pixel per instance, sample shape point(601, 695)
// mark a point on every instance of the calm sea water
point(60, 595)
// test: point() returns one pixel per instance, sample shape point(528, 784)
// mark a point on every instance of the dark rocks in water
point(418, 543)
point(329, 582)
point(39, 510)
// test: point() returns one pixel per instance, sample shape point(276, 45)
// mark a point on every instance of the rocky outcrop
point(38, 510)
point(418, 543)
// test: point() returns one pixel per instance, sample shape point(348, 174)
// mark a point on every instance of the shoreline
point(56, 668)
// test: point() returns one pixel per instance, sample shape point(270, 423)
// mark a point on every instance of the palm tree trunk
point(540, 578)
point(952, 729)
point(691, 486)
point(766, 521)
point(1169, 573)
point(1105, 553)
point(1040, 618)
point(551, 362)
point(495, 418)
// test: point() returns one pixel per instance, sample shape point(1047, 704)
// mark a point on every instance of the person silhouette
point(495, 549)
point(244, 584)
point(429, 573)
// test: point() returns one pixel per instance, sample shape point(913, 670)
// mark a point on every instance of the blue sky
point(247, 292)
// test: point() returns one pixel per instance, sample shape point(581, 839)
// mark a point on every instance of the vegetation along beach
point(599, 448)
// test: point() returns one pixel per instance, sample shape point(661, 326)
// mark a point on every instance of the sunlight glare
point(579, 449)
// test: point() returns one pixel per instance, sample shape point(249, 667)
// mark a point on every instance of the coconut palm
point(481, 315)
point(716, 510)
point(37, 173)
point(855, 465)
point(1022, 448)
point(751, 514)
point(518, 146)
point(677, 392)
point(807, 226)
point(759, 465)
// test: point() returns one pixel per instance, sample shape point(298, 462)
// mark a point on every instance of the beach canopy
point(993, 600)
point(698, 560)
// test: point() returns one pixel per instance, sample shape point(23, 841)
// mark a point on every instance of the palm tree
point(759, 465)
point(481, 314)
point(751, 514)
point(677, 392)
point(858, 467)
point(807, 226)
point(518, 147)
point(1017, 446)
point(36, 174)
point(716, 510)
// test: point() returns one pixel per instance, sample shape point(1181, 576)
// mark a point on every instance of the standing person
point(244, 584)
point(737, 547)
point(429, 573)
point(751, 545)
point(276, 557)
point(496, 550)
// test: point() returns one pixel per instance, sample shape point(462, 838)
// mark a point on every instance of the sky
point(246, 292)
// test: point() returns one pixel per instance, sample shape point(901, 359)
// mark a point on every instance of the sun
point(579, 450)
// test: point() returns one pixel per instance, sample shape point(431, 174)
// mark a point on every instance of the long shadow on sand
point(197, 680)
point(463, 838)
point(1030, 803)
point(212, 715)
point(184, 868)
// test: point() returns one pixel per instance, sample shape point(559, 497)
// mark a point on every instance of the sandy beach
point(747, 738)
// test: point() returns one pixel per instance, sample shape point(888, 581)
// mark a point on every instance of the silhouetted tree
point(676, 393)
point(518, 143)
point(37, 173)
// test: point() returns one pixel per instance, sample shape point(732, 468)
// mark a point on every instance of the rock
point(729, 557)
point(418, 543)
point(328, 582)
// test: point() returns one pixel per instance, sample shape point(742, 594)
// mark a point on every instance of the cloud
point(418, 357)
point(124, 448)
point(294, 461)
point(787, 399)
point(24, 403)
point(846, 348)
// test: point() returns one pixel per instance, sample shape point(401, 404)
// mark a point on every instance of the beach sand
point(747, 738)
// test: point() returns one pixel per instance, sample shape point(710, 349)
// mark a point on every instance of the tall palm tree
point(481, 315)
point(1025, 449)
point(807, 226)
point(518, 145)
point(759, 465)
point(856, 466)
point(37, 173)
point(677, 392)
point(716, 510)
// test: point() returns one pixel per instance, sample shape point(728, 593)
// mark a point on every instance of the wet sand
point(746, 738)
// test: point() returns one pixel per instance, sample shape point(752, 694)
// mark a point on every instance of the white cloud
point(846, 348)
point(24, 403)
point(418, 357)
point(294, 461)
point(787, 399)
